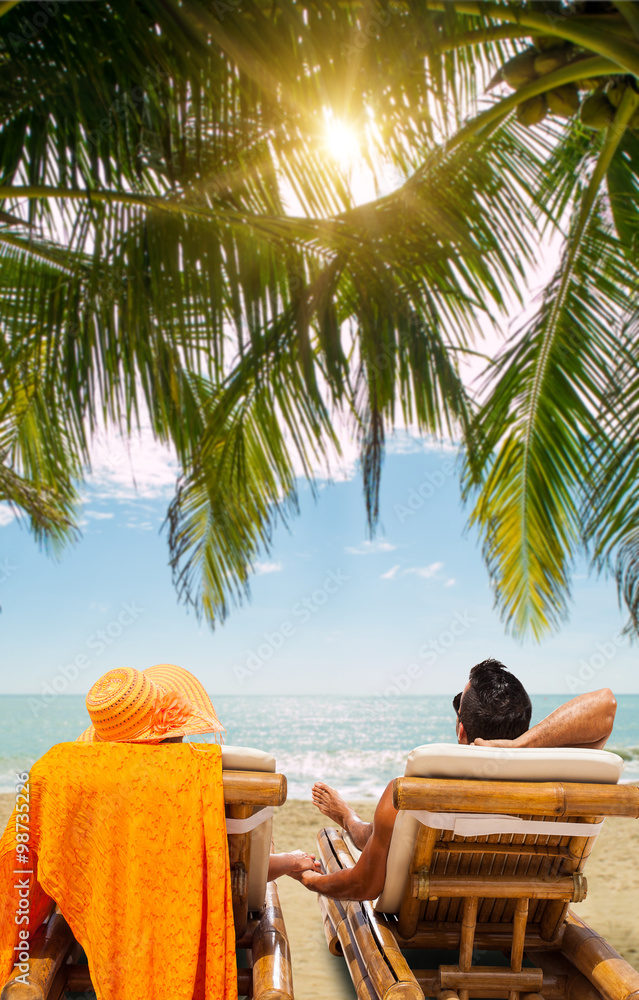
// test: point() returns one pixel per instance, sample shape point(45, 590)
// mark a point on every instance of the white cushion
point(453, 760)
point(248, 759)
point(456, 760)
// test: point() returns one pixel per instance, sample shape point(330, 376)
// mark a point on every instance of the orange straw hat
point(148, 706)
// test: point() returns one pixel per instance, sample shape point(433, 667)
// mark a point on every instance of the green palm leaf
point(151, 260)
point(541, 417)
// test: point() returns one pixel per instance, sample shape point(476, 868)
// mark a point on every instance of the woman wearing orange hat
point(163, 704)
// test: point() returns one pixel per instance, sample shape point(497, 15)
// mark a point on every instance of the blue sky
point(408, 613)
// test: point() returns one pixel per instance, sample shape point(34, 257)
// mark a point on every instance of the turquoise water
point(356, 744)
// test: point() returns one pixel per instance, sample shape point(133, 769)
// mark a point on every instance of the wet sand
point(612, 906)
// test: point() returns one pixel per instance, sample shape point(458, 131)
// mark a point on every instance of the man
point(492, 710)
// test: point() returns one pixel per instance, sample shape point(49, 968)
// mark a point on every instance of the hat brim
point(170, 677)
point(90, 736)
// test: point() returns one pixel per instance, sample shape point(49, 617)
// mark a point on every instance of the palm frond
point(610, 508)
point(539, 419)
point(261, 429)
point(39, 457)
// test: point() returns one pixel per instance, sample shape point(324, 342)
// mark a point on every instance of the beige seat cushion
point(248, 759)
point(452, 760)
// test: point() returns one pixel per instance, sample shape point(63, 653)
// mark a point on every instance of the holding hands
point(291, 863)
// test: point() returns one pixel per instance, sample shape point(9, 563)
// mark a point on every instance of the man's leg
point(331, 804)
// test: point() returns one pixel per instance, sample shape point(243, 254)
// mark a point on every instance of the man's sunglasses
point(457, 702)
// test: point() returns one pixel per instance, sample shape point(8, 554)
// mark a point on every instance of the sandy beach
point(612, 905)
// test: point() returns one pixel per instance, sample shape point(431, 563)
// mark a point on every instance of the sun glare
point(341, 142)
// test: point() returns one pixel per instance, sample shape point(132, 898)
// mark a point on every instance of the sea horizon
point(356, 744)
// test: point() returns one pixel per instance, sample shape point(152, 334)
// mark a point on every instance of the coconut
point(520, 69)
point(532, 111)
point(615, 92)
point(543, 42)
point(597, 111)
point(563, 101)
point(548, 62)
point(587, 84)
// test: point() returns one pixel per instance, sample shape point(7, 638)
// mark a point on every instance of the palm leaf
point(540, 418)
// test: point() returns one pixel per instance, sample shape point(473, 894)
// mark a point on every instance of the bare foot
point(330, 803)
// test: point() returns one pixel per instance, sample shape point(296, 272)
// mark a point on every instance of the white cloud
point(338, 464)
point(268, 567)
point(409, 441)
point(426, 571)
point(451, 582)
point(370, 548)
point(6, 514)
point(391, 574)
point(98, 515)
point(131, 469)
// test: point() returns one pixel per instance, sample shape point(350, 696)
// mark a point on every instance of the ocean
point(355, 744)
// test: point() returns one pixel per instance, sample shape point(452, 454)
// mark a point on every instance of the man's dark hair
point(495, 706)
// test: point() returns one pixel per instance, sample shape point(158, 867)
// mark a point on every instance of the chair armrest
point(532, 798)
point(254, 788)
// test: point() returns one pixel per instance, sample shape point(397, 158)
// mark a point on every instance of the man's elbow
point(608, 710)
point(369, 888)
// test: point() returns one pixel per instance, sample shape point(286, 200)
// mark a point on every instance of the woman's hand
point(302, 862)
point(291, 863)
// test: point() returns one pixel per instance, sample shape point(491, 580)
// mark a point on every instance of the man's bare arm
point(583, 722)
point(366, 879)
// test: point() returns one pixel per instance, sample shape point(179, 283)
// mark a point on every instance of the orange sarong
point(130, 842)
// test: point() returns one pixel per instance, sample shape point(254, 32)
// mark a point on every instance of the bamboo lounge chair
point(251, 790)
point(471, 868)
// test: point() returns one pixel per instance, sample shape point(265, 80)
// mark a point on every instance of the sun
point(341, 142)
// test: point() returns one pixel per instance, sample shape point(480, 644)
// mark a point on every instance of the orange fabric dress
point(130, 841)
